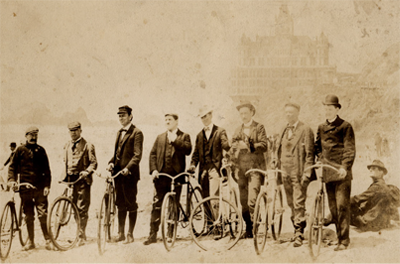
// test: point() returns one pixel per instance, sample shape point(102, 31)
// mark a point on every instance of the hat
point(74, 125)
point(13, 144)
point(204, 110)
point(293, 105)
point(31, 129)
point(378, 164)
point(174, 115)
point(124, 109)
point(331, 99)
point(246, 104)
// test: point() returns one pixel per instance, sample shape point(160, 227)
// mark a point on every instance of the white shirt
point(124, 132)
point(208, 129)
point(171, 135)
point(290, 131)
point(333, 120)
point(246, 128)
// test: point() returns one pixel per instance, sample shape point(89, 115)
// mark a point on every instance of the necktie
point(74, 146)
point(290, 131)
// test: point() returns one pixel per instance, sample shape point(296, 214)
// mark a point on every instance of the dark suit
point(82, 158)
point(127, 154)
point(249, 187)
point(167, 158)
point(296, 153)
point(336, 143)
point(210, 165)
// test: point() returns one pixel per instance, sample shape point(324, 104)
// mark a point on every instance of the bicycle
point(226, 171)
point(10, 223)
point(222, 222)
point(262, 208)
point(173, 212)
point(316, 217)
point(63, 220)
point(107, 214)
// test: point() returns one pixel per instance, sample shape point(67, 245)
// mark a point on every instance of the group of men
point(295, 150)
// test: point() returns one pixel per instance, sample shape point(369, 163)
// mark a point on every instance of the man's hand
point(125, 172)
point(305, 180)
point(342, 173)
point(12, 185)
point(154, 175)
point(84, 175)
point(191, 169)
point(46, 191)
point(242, 145)
point(110, 167)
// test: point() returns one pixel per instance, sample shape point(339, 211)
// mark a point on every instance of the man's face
point(245, 114)
point(31, 138)
point(12, 148)
point(376, 173)
point(292, 114)
point(206, 119)
point(170, 123)
point(124, 119)
point(331, 111)
point(75, 134)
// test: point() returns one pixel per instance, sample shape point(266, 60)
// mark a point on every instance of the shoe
point(247, 234)
point(328, 220)
point(81, 243)
point(29, 246)
point(129, 239)
point(340, 247)
point(49, 245)
point(150, 240)
point(119, 238)
point(298, 241)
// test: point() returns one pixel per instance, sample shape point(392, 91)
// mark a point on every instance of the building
point(282, 61)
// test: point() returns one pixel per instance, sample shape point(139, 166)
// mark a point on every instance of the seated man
point(373, 209)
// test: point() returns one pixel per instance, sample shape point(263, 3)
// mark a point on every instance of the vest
point(207, 149)
point(167, 167)
point(286, 149)
point(74, 163)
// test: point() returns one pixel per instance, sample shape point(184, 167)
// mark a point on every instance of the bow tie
point(123, 130)
point(290, 127)
point(206, 129)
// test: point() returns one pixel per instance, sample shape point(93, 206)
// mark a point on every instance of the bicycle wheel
point(23, 229)
point(63, 223)
point(103, 227)
point(315, 227)
point(260, 227)
point(7, 230)
point(277, 214)
point(169, 221)
point(222, 225)
point(198, 219)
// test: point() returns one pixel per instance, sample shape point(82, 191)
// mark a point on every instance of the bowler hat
point(204, 110)
point(74, 125)
point(13, 144)
point(378, 164)
point(31, 129)
point(293, 105)
point(124, 109)
point(331, 99)
point(248, 105)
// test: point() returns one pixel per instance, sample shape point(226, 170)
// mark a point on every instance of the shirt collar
point(295, 125)
point(173, 131)
point(127, 126)
point(331, 121)
point(210, 126)
point(248, 124)
point(76, 141)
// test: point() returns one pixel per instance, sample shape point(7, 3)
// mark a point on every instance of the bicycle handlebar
point(108, 177)
point(321, 165)
point(264, 172)
point(71, 183)
point(174, 177)
point(28, 185)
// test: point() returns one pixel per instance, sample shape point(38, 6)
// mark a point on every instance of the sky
point(158, 56)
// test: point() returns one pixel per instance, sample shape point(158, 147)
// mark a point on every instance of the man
point(80, 160)
point(295, 152)
point(210, 143)
point(248, 146)
point(335, 144)
point(30, 162)
point(373, 209)
point(167, 156)
point(13, 146)
point(127, 156)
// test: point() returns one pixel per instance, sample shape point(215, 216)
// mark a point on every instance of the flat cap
point(174, 115)
point(293, 105)
point(31, 129)
point(74, 125)
point(124, 109)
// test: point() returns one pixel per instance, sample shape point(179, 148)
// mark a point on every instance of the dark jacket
point(302, 142)
point(336, 143)
point(87, 158)
point(32, 163)
point(181, 147)
point(219, 142)
point(258, 144)
point(131, 152)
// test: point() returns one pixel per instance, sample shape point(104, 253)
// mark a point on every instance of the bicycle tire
point(277, 214)
point(195, 199)
point(315, 226)
point(260, 226)
point(60, 215)
point(23, 229)
point(169, 221)
point(103, 228)
point(6, 229)
point(219, 234)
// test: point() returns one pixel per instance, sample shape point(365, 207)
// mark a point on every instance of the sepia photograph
point(179, 131)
